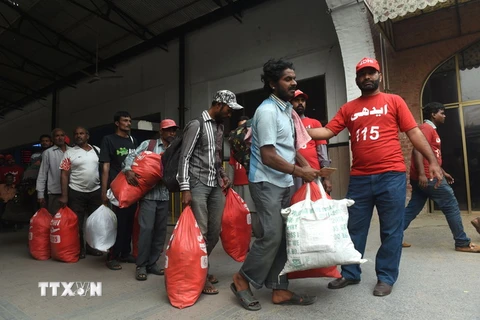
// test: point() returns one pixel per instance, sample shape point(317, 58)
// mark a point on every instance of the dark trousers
point(122, 246)
point(53, 205)
point(152, 220)
point(83, 204)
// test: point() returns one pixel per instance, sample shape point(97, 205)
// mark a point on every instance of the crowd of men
point(278, 166)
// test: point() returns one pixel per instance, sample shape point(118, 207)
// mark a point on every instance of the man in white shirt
point(80, 182)
point(49, 173)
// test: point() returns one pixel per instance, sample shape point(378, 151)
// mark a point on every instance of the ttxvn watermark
point(71, 289)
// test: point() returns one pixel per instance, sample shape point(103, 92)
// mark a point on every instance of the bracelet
point(293, 169)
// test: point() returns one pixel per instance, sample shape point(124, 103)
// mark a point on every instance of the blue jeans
point(386, 191)
point(207, 206)
point(445, 199)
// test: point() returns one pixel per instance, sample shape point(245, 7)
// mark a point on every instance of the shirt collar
point(431, 123)
point(280, 103)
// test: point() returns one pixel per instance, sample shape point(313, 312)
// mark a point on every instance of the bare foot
point(281, 295)
point(240, 282)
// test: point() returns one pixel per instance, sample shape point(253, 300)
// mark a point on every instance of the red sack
point(186, 262)
point(331, 272)
point(64, 240)
point(135, 233)
point(148, 167)
point(236, 231)
point(39, 235)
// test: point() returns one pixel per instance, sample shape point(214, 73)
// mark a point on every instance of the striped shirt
point(201, 153)
point(159, 192)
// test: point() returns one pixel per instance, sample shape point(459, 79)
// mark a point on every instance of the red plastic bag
point(236, 231)
point(64, 240)
point(39, 235)
point(186, 262)
point(135, 233)
point(148, 167)
point(331, 272)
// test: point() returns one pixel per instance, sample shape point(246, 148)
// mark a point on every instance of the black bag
point(171, 160)
point(100, 164)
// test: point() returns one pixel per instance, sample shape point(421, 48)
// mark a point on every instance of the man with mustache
point(423, 184)
point(272, 169)
point(113, 151)
point(153, 214)
point(80, 183)
point(315, 152)
point(201, 176)
point(378, 173)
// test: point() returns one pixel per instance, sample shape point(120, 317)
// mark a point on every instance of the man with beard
point(113, 151)
point(45, 143)
point(377, 176)
point(81, 183)
point(49, 173)
point(153, 214)
point(201, 176)
point(315, 152)
point(423, 189)
point(272, 168)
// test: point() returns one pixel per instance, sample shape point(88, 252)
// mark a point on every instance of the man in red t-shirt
point(423, 186)
point(315, 151)
point(13, 168)
point(377, 177)
point(238, 175)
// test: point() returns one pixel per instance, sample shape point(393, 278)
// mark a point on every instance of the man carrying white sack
point(153, 214)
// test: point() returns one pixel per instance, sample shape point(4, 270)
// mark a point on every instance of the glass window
point(452, 154)
point(469, 64)
point(472, 134)
point(442, 84)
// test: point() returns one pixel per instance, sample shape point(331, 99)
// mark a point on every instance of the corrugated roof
point(46, 43)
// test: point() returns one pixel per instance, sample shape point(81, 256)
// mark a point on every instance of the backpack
point(171, 160)
point(239, 147)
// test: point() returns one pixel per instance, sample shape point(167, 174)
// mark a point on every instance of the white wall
point(225, 55)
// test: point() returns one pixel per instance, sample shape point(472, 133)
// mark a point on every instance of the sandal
point(141, 273)
point(247, 300)
point(299, 300)
point(113, 265)
point(209, 288)
point(155, 269)
point(212, 279)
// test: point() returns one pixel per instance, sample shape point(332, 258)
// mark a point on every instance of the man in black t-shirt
point(114, 149)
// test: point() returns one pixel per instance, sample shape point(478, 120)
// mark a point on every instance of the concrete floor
point(435, 283)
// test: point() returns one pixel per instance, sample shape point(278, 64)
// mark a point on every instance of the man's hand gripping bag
point(148, 167)
point(236, 227)
point(186, 262)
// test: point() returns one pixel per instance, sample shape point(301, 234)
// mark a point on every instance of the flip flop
point(247, 300)
point(212, 279)
point(209, 289)
point(299, 300)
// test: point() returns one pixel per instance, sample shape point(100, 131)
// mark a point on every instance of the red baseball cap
point(368, 62)
point(168, 123)
point(300, 93)
point(8, 157)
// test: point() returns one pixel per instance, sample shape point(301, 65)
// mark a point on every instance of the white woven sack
point(317, 234)
point(101, 229)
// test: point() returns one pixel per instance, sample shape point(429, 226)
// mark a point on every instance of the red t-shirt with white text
point(434, 141)
point(373, 123)
point(239, 174)
point(309, 151)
